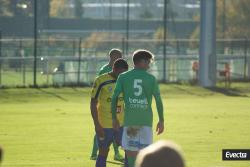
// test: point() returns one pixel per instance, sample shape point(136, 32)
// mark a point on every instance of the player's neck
point(139, 68)
point(112, 74)
point(110, 64)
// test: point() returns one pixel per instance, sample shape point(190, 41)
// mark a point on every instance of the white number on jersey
point(138, 87)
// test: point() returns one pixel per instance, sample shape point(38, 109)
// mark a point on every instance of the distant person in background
point(160, 154)
point(114, 54)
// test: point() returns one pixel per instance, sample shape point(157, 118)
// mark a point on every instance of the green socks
point(115, 146)
point(131, 161)
point(95, 147)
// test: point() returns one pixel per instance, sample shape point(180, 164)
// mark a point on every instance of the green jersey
point(138, 87)
point(105, 69)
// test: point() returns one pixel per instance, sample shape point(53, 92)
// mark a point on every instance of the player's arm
point(93, 109)
point(159, 105)
point(117, 91)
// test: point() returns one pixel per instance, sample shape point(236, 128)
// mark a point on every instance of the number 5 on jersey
point(138, 87)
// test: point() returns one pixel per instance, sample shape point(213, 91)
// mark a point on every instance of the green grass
point(53, 127)
point(13, 78)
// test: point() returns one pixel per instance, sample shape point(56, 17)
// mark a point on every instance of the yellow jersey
point(102, 91)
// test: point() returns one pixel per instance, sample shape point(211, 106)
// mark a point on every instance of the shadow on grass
point(189, 91)
point(225, 91)
point(53, 94)
point(115, 163)
point(228, 91)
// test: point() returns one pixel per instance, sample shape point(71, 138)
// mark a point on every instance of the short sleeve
point(95, 92)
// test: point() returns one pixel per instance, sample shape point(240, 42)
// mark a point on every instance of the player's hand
point(116, 124)
point(160, 127)
point(99, 131)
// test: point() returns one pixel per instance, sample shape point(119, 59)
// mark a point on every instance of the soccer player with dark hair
point(114, 54)
point(161, 154)
point(138, 87)
point(101, 110)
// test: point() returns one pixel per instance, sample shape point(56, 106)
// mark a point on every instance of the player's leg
point(94, 149)
point(134, 139)
point(104, 147)
point(102, 157)
point(116, 144)
point(131, 157)
point(118, 156)
point(125, 160)
point(129, 139)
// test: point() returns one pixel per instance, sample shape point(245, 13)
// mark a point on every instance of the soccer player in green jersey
point(114, 54)
point(138, 87)
point(101, 110)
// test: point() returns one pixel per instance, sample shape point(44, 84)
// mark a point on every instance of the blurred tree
point(159, 39)
point(66, 8)
point(159, 34)
point(16, 8)
point(236, 23)
point(22, 7)
point(56, 7)
point(102, 40)
point(194, 36)
point(61, 9)
point(146, 14)
point(238, 19)
point(147, 8)
point(5, 8)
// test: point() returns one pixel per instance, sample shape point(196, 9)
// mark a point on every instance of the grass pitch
point(53, 127)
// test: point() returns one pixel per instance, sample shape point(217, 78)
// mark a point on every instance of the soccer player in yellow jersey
point(100, 106)
point(114, 54)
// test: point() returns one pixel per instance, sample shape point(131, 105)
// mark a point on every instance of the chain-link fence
point(76, 61)
point(74, 37)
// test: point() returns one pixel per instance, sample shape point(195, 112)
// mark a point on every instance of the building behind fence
point(75, 62)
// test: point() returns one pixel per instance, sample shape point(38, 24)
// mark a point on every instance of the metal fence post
point(21, 55)
point(127, 28)
point(24, 71)
point(0, 57)
point(165, 40)
point(207, 51)
point(74, 47)
point(35, 44)
point(177, 47)
point(47, 71)
point(231, 47)
point(248, 60)
point(245, 59)
point(123, 45)
point(79, 61)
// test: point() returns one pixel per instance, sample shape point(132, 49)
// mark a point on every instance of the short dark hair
point(142, 55)
point(115, 51)
point(120, 64)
